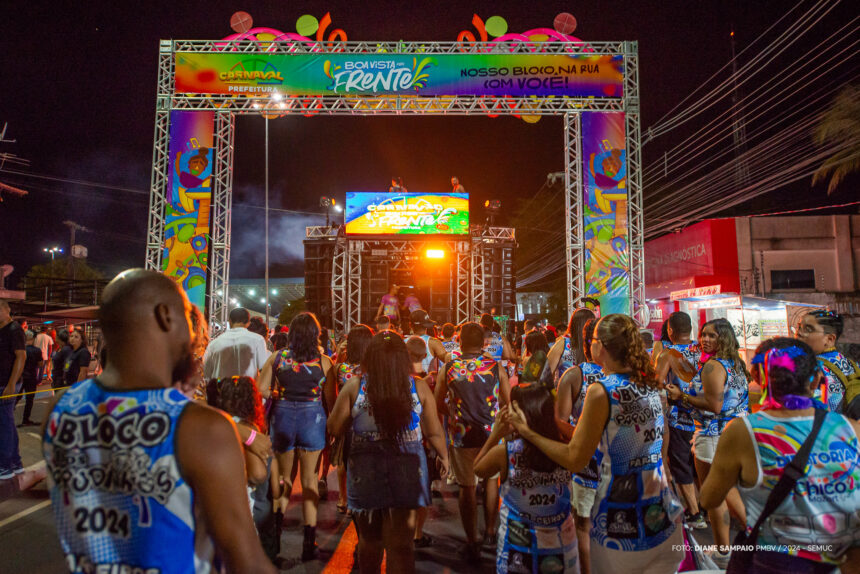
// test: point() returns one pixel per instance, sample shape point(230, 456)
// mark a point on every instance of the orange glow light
point(435, 254)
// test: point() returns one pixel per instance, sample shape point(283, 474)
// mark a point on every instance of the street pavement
point(28, 540)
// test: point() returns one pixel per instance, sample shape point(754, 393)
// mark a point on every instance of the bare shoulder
point(735, 433)
point(572, 374)
point(713, 366)
point(203, 424)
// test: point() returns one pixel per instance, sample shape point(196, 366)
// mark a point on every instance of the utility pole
point(72, 228)
point(739, 131)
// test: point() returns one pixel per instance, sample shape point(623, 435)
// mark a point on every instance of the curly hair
point(238, 397)
point(728, 347)
point(620, 335)
point(388, 371)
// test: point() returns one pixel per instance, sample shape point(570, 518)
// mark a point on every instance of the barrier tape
point(34, 392)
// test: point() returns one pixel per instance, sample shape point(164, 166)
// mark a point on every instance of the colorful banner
point(378, 213)
point(607, 254)
point(517, 75)
point(185, 251)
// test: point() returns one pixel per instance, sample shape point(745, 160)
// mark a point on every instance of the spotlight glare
point(435, 254)
point(252, 292)
point(274, 291)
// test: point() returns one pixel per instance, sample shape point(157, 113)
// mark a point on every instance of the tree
point(840, 124)
point(290, 310)
point(58, 270)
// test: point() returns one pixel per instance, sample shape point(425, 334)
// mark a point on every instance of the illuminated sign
point(379, 213)
point(715, 303)
point(695, 292)
point(468, 74)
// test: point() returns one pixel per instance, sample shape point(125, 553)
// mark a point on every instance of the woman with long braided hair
point(635, 517)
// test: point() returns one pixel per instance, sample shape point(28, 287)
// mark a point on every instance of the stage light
point(262, 299)
point(252, 292)
point(274, 291)
point(220, 292)
point(325, 202)
point(234, 301)
point(493, 205)
point(338, 208)
point(435, 254)
point(277, 97)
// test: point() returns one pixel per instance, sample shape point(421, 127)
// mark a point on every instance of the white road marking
point(24, 513)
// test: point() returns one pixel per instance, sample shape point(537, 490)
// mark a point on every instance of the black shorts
point(681, 463)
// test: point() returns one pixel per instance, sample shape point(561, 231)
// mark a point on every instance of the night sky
point(78, 91)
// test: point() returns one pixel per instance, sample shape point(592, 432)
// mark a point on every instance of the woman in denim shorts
point(304, 384)
point(386, 467)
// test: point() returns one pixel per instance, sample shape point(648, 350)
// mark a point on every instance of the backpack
point(851, 399)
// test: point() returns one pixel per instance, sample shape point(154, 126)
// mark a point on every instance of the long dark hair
point(727, 344)
point(387, 367)
point(538, 406)
point(304, 342)
point(574, 330)
point(791, 366)
point(620, 335)
point(357, 342)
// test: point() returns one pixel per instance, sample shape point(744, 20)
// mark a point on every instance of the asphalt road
point(28, 540)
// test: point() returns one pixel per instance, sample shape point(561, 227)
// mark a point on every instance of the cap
point(420, 317)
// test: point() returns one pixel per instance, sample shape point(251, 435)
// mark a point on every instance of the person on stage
point(389, 305)
point(397, 186)
point(456, 186)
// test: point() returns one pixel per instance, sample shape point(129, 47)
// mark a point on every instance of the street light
point(53, 251)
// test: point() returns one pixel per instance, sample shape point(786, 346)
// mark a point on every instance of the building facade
point(811, 261)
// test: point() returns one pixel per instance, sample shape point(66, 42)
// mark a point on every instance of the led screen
point(380, 213)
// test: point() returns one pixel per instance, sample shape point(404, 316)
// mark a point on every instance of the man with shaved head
point(141, 478)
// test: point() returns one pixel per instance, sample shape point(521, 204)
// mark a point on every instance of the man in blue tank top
point(141, 478)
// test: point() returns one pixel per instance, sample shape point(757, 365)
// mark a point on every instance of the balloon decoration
point(241, 22)
point(311, 32)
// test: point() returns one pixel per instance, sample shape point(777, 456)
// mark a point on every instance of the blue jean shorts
point(298, 425)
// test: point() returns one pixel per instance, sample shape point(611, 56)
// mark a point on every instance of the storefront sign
point(695, 292)
point(715, 303)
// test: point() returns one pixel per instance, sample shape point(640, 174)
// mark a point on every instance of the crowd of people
point(591, 451)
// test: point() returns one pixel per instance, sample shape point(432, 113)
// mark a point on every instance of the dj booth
point(423, 243)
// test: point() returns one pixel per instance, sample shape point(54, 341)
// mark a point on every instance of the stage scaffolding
point(468, 270)
point(347, 263)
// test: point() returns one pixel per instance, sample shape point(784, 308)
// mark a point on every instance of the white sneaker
point(6, 474)
point(721, 559)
